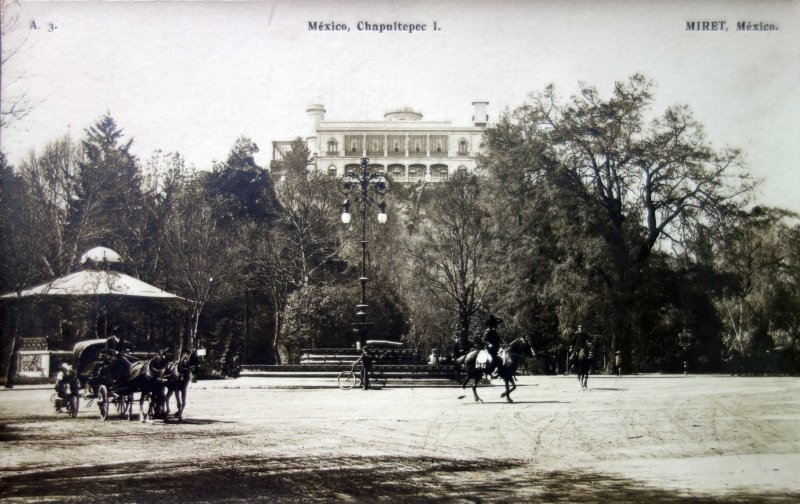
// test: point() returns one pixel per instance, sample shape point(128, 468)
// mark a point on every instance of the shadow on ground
point(339, 479)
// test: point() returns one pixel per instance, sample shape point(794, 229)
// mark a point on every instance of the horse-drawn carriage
point(111, 377)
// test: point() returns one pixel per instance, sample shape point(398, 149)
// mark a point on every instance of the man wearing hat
point(578, 340)
point(491, 340)
point(366, 366)
point(65, 378)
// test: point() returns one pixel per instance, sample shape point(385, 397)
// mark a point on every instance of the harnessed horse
point(178, 375)
point(125, 375)
point(509, 357)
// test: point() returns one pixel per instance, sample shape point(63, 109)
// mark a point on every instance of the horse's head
point(158, 364)
point(189, 361)
point(521, 347)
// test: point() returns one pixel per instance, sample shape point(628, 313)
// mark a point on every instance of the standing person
point(618, 362)
point(366, 366)
point(491, 341)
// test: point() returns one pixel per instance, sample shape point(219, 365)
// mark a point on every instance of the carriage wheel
point(124, 404)
point(102, 401)
point(73, 405)
point(346, 380)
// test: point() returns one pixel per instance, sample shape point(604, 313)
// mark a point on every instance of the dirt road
point(629, 439)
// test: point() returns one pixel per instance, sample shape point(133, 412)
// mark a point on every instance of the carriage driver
point(118, 344)
point(66, 377)
point(491, 340)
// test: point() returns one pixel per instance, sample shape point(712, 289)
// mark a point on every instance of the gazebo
point(99, 280)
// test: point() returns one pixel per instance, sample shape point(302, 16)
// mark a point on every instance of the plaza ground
point(648, 439)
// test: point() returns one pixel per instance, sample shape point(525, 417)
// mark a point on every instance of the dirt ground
point(630, 439)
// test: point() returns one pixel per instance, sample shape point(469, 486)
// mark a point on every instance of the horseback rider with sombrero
point(491, 340)
point(578, 341)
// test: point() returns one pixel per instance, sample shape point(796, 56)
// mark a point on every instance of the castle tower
point(480, 117)
point(316, 113)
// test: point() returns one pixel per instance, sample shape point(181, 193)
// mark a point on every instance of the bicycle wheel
point(377, 380)
point(73, 405)
point(346, 380)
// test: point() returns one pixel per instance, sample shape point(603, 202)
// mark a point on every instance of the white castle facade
point(402, 145)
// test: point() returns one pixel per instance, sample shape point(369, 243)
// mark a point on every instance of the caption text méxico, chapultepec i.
point(368, 26)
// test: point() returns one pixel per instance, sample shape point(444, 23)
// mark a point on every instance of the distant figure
point(433, 358)
point(366, 366)
point(66, 383)
point(576, 342)
point(118, 344)
point(618, 363)
point(456, 350)
point(491, 341)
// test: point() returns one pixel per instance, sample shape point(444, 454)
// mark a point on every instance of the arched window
point(397, 170)
point(416, 170)
point(333, 146)
point(332, 170)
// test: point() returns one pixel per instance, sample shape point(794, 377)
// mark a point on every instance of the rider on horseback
point(578, 340)
point(491, 340)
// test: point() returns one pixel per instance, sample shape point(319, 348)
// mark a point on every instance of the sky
point(192, 77)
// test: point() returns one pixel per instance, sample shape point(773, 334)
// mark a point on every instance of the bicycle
point(349, 379)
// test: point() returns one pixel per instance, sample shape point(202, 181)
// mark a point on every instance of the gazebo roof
point(95, 283)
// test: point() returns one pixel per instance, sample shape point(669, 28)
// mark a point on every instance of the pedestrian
point(66, 384)
point(366, 366)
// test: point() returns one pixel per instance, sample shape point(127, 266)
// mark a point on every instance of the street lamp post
point(685, 341)
point(363, 188)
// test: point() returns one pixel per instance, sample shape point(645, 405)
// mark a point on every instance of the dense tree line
point(585, 210)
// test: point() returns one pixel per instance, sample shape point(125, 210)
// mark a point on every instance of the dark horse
point(509, 360)
point(178, 375)
point(585, 361)
point(124, 375)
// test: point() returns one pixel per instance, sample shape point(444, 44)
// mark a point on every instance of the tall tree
point(201, 257)
point(638, 186)
point(108, 198)
point(761, 298)
point(303, 241)
point(453, 254)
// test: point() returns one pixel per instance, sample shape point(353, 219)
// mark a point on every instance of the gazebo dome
point(99, 255)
